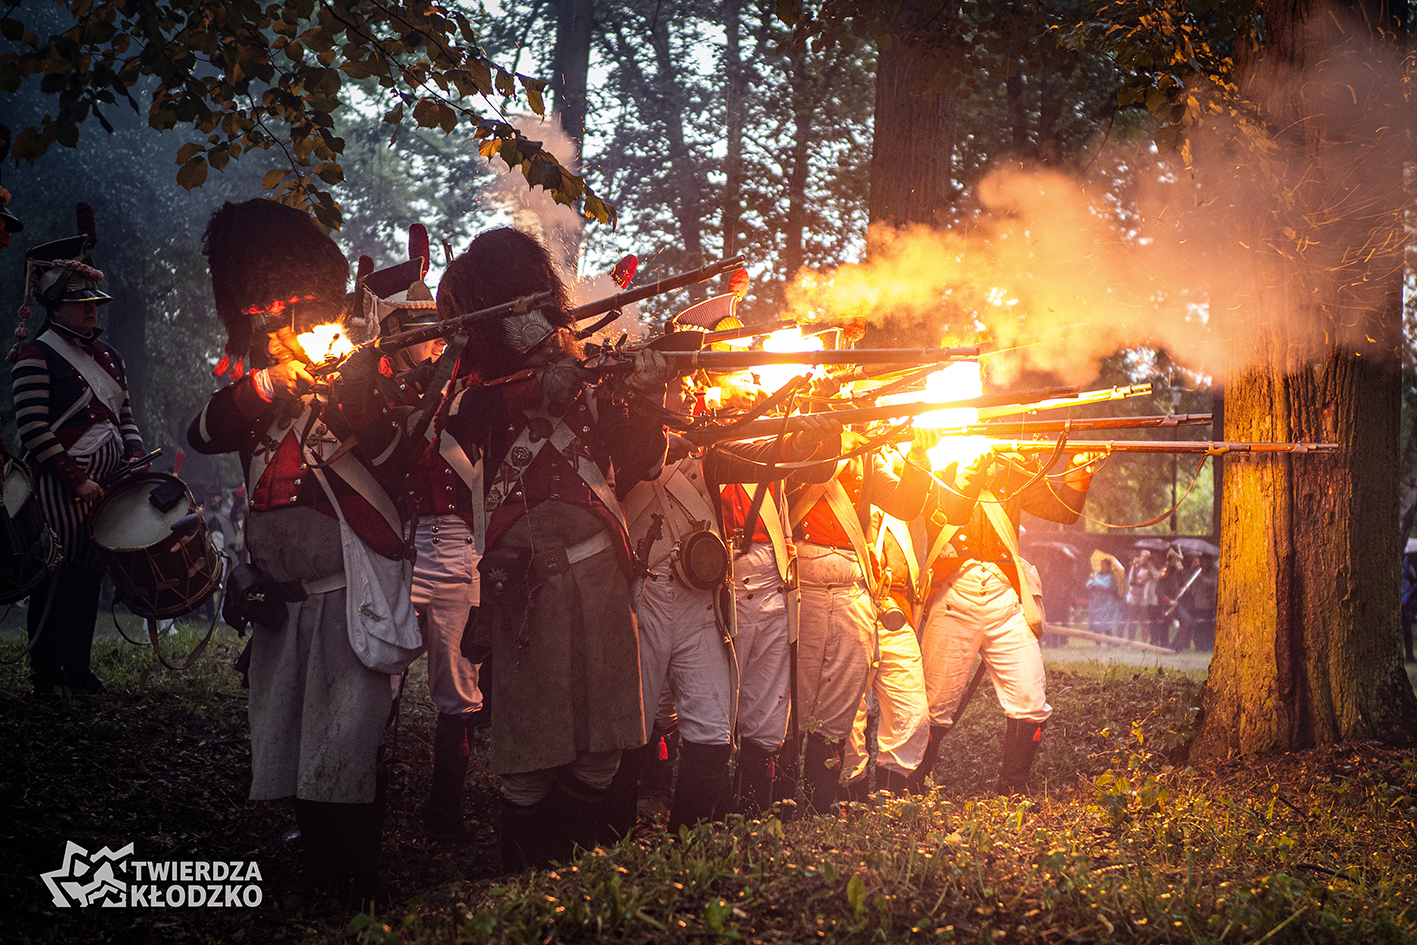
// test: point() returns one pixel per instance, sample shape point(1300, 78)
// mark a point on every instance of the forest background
point(707, 147)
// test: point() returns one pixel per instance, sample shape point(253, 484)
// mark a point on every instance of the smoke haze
point(1291, 238)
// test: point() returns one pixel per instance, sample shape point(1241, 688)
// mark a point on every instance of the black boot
point(858, 789)
point(703, 772)
point(916, 780)
point(357, 882)
point(443, 818)
point(318, 828)
point(1021, 739)
point(575, 815)
point(893, 781)
point(657, 774)
point(756, 769)
point(619, 809)
point(526, 831)
point(821, 773)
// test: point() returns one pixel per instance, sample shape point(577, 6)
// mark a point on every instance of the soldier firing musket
point(530, 303)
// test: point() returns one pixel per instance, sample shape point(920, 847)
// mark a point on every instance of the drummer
point(76, 426)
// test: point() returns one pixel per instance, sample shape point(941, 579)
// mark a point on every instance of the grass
point(1122, 844)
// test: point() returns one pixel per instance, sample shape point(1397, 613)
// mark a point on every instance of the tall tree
point(1296, 141)
point(1306, 643)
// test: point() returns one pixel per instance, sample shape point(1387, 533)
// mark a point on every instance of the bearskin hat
point(270, 264)
point(500, 266)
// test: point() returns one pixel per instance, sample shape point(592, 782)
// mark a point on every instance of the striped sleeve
point(132, 439)
point(30, 384)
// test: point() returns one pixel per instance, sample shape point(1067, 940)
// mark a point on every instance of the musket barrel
point(457, 323)
point(591, 309)
point(773, 425)
point(1207, 447)
point(730, 361)
point(1034, 427)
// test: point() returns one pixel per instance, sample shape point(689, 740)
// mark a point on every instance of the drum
point(162, 560)
point(28, 548)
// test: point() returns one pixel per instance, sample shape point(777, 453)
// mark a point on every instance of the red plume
point(738, 283)
point(83, 213)
point(624, 270)
point(418, 246)
point(177, 462)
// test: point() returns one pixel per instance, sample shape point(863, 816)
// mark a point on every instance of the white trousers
point(836, 640)
point(764, 656)
point(681, 646)
point(978, 613)
point(445, 587)
point(898, 684)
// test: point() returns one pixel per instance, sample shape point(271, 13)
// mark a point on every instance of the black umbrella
point(1197, 546)
point(1062, 547)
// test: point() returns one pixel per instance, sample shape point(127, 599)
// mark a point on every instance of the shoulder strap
point(1004, 528)
point(901, 533)
point(777, 535)
point(105, 387)
point(845, 513)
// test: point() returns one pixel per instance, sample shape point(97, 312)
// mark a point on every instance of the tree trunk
point(1307, 625)
point(912, 144)
point(735, 119)
point(684, 168)
point(913, 137)
point(796, 225)
point(570, 72)
point(570, 67)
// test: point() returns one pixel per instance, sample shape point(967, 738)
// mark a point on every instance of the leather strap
point(103, 384)
point(1004, 528)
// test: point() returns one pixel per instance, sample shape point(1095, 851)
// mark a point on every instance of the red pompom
point(624, 270)
point(738, 282)
point(222, 365)
point(238, 370)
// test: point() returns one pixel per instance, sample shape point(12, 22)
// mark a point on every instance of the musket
point(593, 309)
point(746, 331)
point(771, 426)
point(1054, 427)
point(1176, 601)
point(1196, 447)
point(723, 362)
point(527, 303)
point(1078, 400)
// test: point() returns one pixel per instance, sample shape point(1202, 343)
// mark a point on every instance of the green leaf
point(193, 173)
point(272, 179)
point(856, 893)
point(789, 11)
point(187, 152)
point(503, 82)
point(12, 29)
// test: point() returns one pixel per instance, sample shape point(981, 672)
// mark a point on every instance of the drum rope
point(201, 647)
